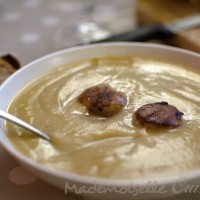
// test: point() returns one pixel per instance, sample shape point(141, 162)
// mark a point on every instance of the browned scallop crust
point(159, 114)
point(103, 100)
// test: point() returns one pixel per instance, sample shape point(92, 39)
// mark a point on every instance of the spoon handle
point(23, 124)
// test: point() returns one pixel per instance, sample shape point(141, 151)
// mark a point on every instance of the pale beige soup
point(114, 147)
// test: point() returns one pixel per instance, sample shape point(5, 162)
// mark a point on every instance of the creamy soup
point(115, 147)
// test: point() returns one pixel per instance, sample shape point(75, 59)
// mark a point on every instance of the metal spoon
point(23, 124)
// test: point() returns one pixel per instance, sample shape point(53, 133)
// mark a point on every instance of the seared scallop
point(102, 100)
point(159, 114)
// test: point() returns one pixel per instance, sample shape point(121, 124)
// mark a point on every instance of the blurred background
point(30, 29)
point(33, 28)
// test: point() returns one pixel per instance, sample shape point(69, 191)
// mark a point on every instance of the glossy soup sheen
point(115, 147)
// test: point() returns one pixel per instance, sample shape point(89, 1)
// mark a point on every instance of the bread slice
point(8, 65)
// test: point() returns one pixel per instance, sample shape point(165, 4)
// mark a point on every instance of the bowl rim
point(82, 178)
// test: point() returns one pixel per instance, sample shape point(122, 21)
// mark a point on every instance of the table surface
point(33, 28)
point(29, 41)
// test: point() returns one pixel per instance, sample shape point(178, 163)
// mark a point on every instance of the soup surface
point(115, 147)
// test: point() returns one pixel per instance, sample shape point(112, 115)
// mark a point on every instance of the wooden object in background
point(167, 11)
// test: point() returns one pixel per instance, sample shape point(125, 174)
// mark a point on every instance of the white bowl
point(96, 188)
